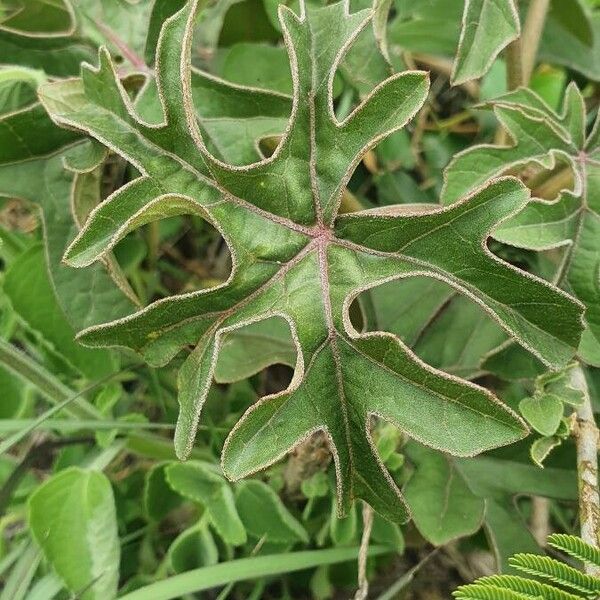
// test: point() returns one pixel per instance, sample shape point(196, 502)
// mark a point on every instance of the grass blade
point(244, 568)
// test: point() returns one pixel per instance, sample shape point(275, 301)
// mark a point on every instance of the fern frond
point(479, 591)
point(548, 568)
point(575, 547)
point(532, 589)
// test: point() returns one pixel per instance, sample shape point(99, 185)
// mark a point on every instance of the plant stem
point(586, 439)
point(514, 65)
point(551, 184)
point(532, 33)
point(363, 582)
point(521, 53)
point(540, 516)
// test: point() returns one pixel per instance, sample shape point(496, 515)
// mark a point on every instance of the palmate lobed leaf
point(294, 257)
point(572, 220)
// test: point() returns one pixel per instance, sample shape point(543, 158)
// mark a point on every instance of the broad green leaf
point(498, 480)
point(406, 307)
point(571, 37)
point(573, 219)
point(487, 27)
point(30, 291)
point(343, 530)
point(18, 87)
point(159, 497)
point(457, 339)
point(511, 362)
point(259, 66)
point(541, 448)
point(367, 61)
point(15, 396)
point(543, 412)
point(265, 516)
point(41, 17)
point(507, 531)
point(193, 548)
point(494, 477)
point(442, 505)
point(431, 26)
point(41, 35)
point(295, 258)
point(233, 119)
point(72, 518)
point(121, 25)
point(270, 342)
point(195, 481)
point(32, 169)
point(316, 486)
point(388, 534)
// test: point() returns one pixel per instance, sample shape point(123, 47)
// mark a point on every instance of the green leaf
point(507, 531)
point(316, 486)
point(541, 449)
point(259, 66)
point(32, 168)
point(343, 530)
point(16, 396)
point(233, 119)
point(243, 569)
point(431, 26)
point(406, 306)
point(307, 264)
point(118, 24)
point(42, 18)
point(491, 477)
point(30, 291)
point(571, 37)
point(265, 516)
point(388, 534)
point(443, 506)
point(72, 517)
point(195, 481)
point(270, 341)
point(193, 548)
point(572, 220)
point(159, 497)
point(457, 339)
point(543, 412)
point(41, 35)
point(498, 480)
point(18, 87)
point(487, 27)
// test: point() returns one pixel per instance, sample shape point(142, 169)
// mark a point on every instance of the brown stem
point(586, 440)
point(514, 65)
point(549, 185)
point(363, 582)
point(540, 519)
point(532, 33)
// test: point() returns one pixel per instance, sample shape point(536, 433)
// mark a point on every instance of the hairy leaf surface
point(295, 258)
point(487, 27)
point(572, 220)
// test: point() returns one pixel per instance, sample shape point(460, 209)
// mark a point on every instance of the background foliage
point(94, 501)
